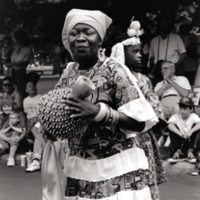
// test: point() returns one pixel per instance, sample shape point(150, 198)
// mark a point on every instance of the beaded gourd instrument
point(54, 114)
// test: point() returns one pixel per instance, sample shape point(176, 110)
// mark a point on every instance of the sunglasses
point(7, 85)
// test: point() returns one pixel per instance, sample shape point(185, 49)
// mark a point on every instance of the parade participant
point(106, 160)
point(127, 51)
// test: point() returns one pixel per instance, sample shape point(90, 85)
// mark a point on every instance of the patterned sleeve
point(149, 94)
point(129, 99)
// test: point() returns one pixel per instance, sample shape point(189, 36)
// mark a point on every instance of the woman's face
point(133, 56)
point(84, 41)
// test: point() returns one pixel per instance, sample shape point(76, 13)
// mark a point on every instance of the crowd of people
point(134, 107)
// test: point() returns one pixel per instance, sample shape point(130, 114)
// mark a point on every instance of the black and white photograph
point(99, 99)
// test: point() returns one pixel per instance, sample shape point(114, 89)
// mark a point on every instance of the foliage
point(44, 21)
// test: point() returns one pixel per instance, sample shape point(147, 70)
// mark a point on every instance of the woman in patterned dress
point(127, 51)
point(106, 161)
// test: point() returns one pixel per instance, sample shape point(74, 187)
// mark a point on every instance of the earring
point(101, 54)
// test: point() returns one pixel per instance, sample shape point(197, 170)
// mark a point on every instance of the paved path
point(15, 184)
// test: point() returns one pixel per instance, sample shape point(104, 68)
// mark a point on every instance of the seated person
point(196, 171)
point(6, 107)
point(30, 104)
point(30, 109)
point(39, 145)
point(171, 89)
point(184, 129)
point(11, 135)
point(10, 94)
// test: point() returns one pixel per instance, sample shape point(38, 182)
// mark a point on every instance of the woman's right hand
point(82, 108)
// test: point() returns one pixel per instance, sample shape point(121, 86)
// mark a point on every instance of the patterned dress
point(108, 162)
point(148, 140)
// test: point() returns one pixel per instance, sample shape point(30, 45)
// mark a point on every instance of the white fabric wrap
point(138, 109)
point(143, 194)
point(107, 168)
point(118, 49)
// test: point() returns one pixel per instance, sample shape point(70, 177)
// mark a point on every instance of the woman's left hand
point(82, 108)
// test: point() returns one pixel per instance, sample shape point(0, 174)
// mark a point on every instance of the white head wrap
point(98, 20)
point(118, 49)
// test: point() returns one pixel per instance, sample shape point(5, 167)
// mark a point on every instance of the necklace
point(91, 71)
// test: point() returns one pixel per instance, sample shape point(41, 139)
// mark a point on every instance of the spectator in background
point(6, 50)
point(10, 94)
point(30, 108)
point(39, 146)
point(20, 58)
point(165, 47)
point(171, 89)
point(184, 130)
point(11, 134)
point(31, 101)
point(6, 108)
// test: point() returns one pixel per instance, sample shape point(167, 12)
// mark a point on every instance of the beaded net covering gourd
point(55, 116)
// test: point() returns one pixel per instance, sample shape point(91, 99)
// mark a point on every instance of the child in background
point(6, 107)
point(39, 145)
point(30, 109)
point(184, 130)
point(30, 104)
point(11, 135)
point(33, 125)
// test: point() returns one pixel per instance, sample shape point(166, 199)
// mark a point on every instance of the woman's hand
point(83, 109)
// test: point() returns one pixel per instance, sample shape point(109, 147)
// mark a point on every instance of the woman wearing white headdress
point(105, 161)
point(127, 51)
